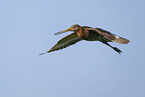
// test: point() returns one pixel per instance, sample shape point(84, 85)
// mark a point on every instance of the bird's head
point(72, 28)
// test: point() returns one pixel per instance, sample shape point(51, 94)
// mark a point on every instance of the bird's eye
point(74, 26)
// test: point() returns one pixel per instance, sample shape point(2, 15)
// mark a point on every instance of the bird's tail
point(120, 40)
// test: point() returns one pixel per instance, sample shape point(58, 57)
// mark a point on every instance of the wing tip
point(44, 53)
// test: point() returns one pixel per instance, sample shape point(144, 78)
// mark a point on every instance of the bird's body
point(89, 34)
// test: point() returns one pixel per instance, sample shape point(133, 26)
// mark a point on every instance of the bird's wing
point(65, 42)
point(110, 36)
point(104, 33)
point(117, 39)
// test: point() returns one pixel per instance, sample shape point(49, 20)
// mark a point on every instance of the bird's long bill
point(62, 31)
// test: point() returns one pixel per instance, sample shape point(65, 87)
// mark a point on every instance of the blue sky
point(86, 69)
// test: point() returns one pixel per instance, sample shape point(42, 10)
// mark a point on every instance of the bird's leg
point(115, 48)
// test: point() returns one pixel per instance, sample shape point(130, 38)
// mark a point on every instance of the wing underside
point(65, 42)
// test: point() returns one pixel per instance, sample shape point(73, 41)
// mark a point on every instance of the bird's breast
point(82, 33)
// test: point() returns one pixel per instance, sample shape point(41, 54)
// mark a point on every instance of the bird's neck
point(82, 32)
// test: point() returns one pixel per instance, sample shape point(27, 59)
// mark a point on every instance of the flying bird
point(88, 34)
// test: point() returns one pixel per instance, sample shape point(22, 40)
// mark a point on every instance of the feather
point(65, 42)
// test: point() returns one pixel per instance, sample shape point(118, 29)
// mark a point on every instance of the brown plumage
point(89, 34)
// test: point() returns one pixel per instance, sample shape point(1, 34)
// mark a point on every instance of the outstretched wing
point(65, 42)
point(117, 39)
point(110, 36)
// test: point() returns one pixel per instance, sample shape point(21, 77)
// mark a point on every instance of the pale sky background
point(86, 69)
